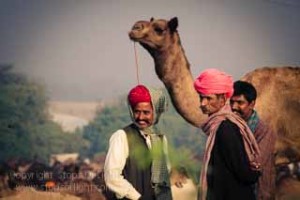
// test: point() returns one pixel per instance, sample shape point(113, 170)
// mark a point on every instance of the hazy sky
point(80, 50)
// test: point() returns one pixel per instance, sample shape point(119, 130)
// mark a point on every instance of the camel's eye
point(158, 30)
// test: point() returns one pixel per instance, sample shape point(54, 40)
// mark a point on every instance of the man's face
point(143, 114)
point(211, 103)
point(241, 106)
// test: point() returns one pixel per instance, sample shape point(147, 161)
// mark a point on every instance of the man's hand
point(255, 166)
point(178, 177)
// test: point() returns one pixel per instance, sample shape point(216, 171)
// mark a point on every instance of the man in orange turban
point(136, 165)
point(231, 166)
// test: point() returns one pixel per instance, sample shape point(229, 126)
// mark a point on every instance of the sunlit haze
point(80, 50)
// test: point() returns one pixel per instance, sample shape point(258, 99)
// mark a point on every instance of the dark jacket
point(229, 176)
point(137, 169)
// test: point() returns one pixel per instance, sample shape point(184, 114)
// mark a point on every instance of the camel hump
point(278, 90)
point(286, 73)
point(280, 78)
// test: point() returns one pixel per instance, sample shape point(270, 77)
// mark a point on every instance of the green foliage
point(25, 128)
point(183, 157)
point(186, 143)
point(107, 121)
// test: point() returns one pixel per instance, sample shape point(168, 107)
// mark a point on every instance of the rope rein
point(136, 64)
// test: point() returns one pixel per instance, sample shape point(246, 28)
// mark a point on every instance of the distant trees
point(25, 127)
point(108, 120)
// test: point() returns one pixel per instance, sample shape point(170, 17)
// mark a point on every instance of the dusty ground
point(27, 193)
point(288, 190)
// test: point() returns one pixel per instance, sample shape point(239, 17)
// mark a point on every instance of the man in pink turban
point(213, 81)
point(136, 164)
point(230, 162)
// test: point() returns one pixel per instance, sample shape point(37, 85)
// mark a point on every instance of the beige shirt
point(115, 162)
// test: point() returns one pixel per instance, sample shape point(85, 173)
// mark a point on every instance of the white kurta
point(115, 162)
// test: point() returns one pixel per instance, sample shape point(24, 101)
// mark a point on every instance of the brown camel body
point(278, 88)
point(278, 103)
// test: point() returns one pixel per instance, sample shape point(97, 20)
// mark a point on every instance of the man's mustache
point(238, 111)
point(203, 108)
point(146, 121)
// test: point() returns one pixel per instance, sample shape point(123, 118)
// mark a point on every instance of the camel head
point(154, 35)
point(161, 39)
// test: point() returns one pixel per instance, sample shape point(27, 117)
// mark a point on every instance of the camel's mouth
point(142, 42)
point(134, 37)
point(140, 38)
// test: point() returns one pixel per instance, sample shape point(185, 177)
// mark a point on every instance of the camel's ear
point(151, 19)
point(172, 24)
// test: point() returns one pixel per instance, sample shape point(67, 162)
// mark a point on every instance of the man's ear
point(252, 104)
point(222, 97)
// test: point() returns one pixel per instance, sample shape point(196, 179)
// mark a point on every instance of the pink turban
point(138, 94)
point(213, 81)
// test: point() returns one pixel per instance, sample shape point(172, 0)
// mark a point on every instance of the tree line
point(26, 129)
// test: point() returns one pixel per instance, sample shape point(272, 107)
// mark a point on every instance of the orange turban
point(138, 94)
point(213, 81)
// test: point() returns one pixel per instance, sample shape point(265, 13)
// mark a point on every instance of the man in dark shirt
point(231, 158)
point(242, 103)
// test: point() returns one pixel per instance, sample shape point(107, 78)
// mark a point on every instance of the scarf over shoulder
point(210, 127)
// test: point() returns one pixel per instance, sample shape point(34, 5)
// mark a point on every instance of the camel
point(278, 101)
point(161, 39)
